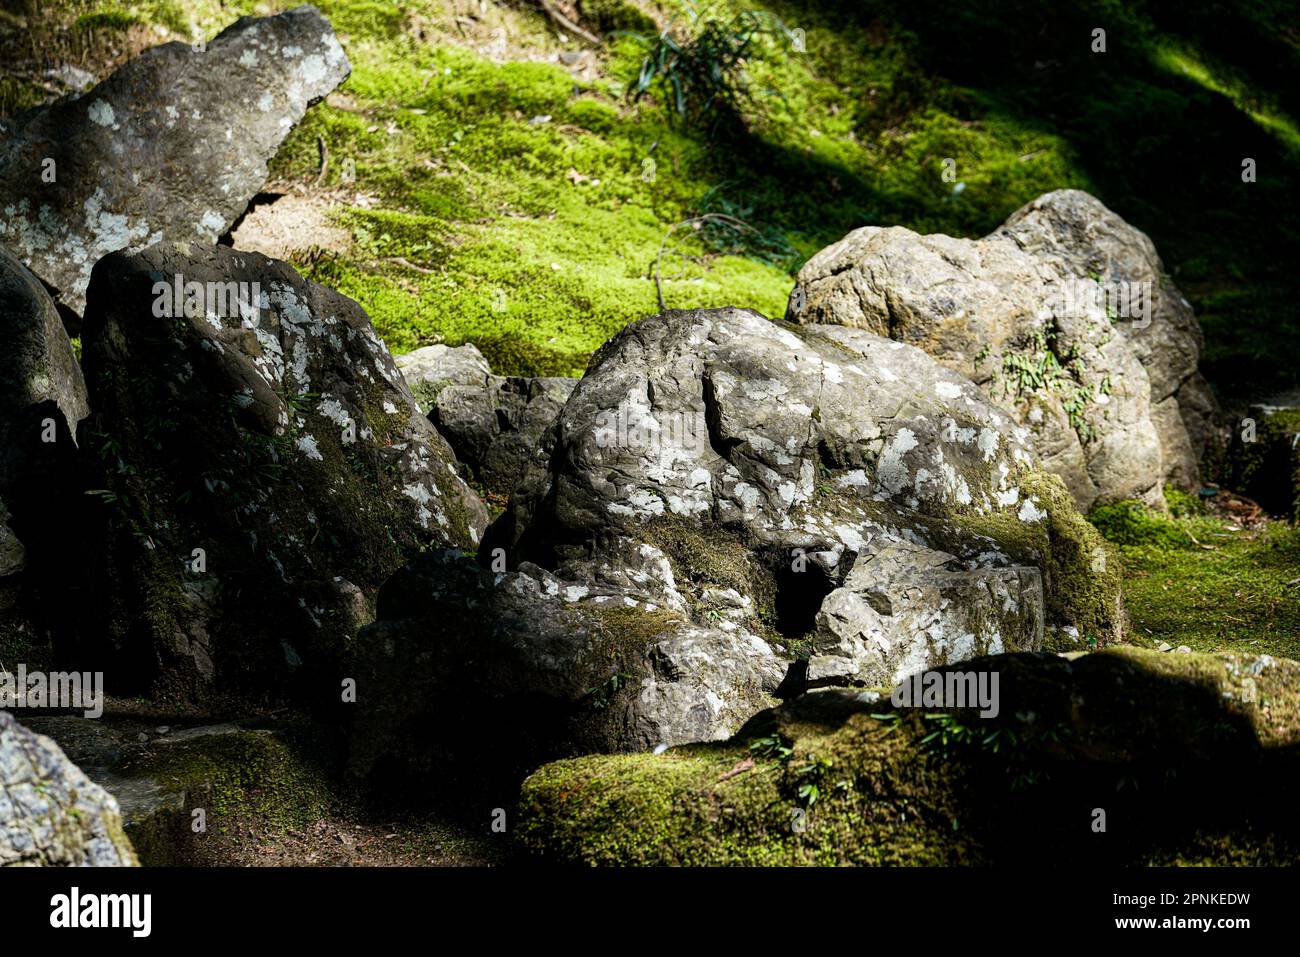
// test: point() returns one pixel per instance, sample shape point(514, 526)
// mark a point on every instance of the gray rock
point(1109, 389)
point(497, 426)
point(545, 665)
point(50, 812)
point(280, 439)
point(901, 608)
point(725, 510)
point(172, 146)
point(431, 369)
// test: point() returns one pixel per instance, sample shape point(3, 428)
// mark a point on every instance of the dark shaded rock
point(275, 434)
point(498, 427)
point(172, 146)
point(42, 399)
point(529, 664)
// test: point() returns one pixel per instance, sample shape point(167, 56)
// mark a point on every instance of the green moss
point(1132, 523)
point(828, 779)
point(1082, 578)
point(1202, 582)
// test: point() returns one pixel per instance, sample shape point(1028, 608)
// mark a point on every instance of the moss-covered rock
point(262, 469)
point(1163, 745)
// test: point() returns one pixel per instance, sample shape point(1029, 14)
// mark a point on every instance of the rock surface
point(497, 426)
point(42, 400)
point(1063, 315)
point(726, 510)
point(50, 812)
point(546, 664)
point(134, 160)
point(272, 432)
point(431, 369)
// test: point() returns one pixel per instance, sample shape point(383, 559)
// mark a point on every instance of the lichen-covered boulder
point(1063, 315)
point(263, 468)
point(42, 400)
point(810, 449)
point(51, 814)
point(172, 146)
point(496, 427)
point(729, 510)
point(1121, 757)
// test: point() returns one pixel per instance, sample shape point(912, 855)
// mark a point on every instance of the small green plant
point(601, 697)
point(772, 747)
point(698, 68)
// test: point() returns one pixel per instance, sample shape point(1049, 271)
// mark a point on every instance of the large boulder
point(50, 812)
point(814, 448)
point(42, 400)
point(529, 665)
point(262, 465)
point(1122, 757)
point(172, 146)
point(726, 510)
point(1063, 315)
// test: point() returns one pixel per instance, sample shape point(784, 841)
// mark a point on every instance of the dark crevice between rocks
point(259, 199)
point(801, 587)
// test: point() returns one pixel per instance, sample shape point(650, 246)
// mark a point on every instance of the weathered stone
point(544, 665)
point(431, 369)
point(172, 146)
point(808, 451)
point(274, 433)
point(901, 609)
point(50, 812)
point(726, 510)
point(1113, 399)
point(497, 427)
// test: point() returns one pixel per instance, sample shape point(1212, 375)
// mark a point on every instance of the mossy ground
point(1161, 741)
point(518, 202)
point(276, 797)
point(1194, 579)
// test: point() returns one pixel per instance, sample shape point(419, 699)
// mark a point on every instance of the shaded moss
point(832, 779)
point(1082, 575)
point(280, 780)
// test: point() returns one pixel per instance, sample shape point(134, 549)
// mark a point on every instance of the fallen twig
point(707, 217)
point(568, 24)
